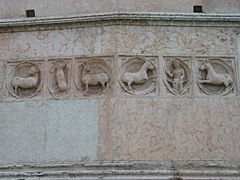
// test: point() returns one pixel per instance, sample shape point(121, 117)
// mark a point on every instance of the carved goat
point(213, 77)
point(27, 82)
point(139, 77)
point(93, 79)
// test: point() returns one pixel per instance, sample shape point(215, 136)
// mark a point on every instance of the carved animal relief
point(25, 80)
point(215, 77)
point(93, 77)
point(177, 76)
point(139, 76)
point(59, 78)
point(1, 75)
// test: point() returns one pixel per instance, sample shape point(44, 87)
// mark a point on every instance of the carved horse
point(213, 77)
point(139, 77)
point(26, 82)
point(93, 79)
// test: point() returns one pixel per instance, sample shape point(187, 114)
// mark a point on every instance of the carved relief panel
point(93, 75)
point(177, 75)
point(25, 79)
point(1, 75)
point(138, 75)
point(216, 76)
point(59, 77)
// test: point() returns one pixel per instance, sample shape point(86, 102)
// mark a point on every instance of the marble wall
point(119, 39)
point(153, 121)
point(48, 131)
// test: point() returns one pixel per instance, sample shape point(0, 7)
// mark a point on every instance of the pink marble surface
point(119, 39)
point(169, 129)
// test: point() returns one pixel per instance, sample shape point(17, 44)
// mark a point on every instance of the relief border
point(115, 68)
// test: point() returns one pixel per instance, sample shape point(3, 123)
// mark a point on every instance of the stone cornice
point(123, 169)
point(119, 18)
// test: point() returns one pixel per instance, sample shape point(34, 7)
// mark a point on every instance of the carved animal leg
point(107, 85)
point(103, 84)
point(86, 87)
point(16, 90)
point(200, 77)
point(129, 86)
point(152, 77)
point(205, 81)
point(226, 84)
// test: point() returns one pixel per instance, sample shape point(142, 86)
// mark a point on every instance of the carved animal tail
point(82, 74)
point(108, 83)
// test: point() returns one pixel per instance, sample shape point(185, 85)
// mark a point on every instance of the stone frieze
point(101, 76)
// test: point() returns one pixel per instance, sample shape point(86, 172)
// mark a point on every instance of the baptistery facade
point(120, 89)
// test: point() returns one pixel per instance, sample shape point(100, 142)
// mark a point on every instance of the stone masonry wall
point(119, 92)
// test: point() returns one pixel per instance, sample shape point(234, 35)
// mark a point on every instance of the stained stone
point(122, 89)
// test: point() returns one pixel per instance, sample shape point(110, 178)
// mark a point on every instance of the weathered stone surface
point(220, 6)
point(131, 170)
point(128, 40)
point(181, 40)
point(101, 64)
point(199, 121)
point(51, 43)
point(238, 56)
point(48, 131)
point(169, 129)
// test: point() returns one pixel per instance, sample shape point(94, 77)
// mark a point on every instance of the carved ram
point(26, 82)
point(93, 79)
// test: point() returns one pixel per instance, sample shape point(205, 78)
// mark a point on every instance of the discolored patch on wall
point(48, 131)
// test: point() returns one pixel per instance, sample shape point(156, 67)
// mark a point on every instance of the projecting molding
point(135, 170)
point(119, 18)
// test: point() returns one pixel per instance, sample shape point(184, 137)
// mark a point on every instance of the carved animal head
point(149, 65)
point(229, 79)
point(33, 70)
point(60, 65)
point(205, 65)
point(86, 66)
